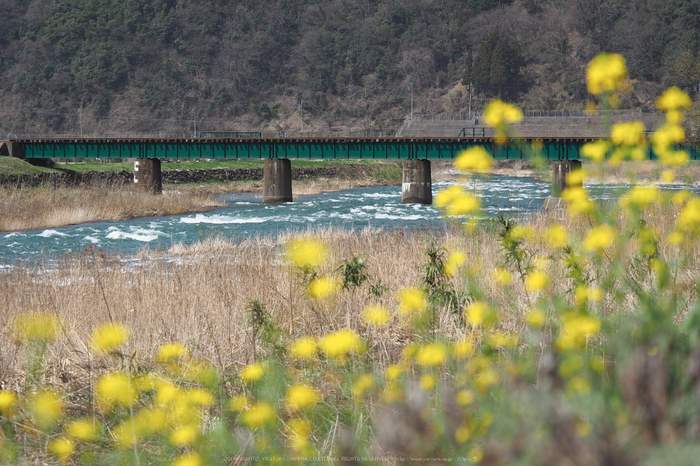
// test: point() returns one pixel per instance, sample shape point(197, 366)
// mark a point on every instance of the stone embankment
point(179, 176)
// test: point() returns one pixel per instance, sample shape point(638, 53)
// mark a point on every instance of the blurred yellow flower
point(299, 430)
point(431, 355)
point(556, 237)
point(474, 159)
point(627, 133)
point(107, 338)
point(582, 428)
point(576, 177)
point(170, 352)
point(455, 259)
point(595, 151)
point(393, 372)
point(675, 117)
point(83, 429)
point(322, 287)
point(37, 326)
point(303, 348)
point(666, 136)
point(463, 434)
point(578, 385)
point(393, 393)
point(362, 384)
point(504, 340)
point(479, 313)
point(184, 435)
point(537, 318)
point(667, 176)
point(376, 315)
point(606, 72)
point(45, 408)
point(259, 415)
point(238, 403)
point(188, 459)
point(501, 275)
point(600, 237)
point(578, 200)
point(465, 397)
point(576, 330)
point(7, 401)
point(301, 396)
point(463, 349)
point(340, 343)
point(689, 219)
point(475, 455)
point(519, 232)
point(306, 252)
point(640, 196)
point(412, 301)
point(253, 372)
point(536, 281)
point(673, 99)
point(115, 388)
point(427, 381)
point(498, 114)
point(455, 201)
point(63, 448)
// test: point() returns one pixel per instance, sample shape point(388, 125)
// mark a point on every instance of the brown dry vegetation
point(198, 293)
point(45, 207)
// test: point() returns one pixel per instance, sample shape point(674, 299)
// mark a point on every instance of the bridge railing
point(474, 131)
point(632, 113)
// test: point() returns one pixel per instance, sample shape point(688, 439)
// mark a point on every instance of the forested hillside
point(143, 65)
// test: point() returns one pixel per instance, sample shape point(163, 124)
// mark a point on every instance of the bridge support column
point(14, 149)
point(417, 183)
point(277, 181)
point(559, 172)
point(147, 175)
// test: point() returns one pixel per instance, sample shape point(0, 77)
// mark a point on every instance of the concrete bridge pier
point(277, 181)
point(417, 183)
point(147, 175)
point(12, 148)
point(559, 172)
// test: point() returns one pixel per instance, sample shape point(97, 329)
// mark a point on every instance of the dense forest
point(147, 65)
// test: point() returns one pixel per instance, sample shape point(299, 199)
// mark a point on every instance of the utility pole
point(80, 118)
point(301, 111)
point(194, 120)
point(411, 87)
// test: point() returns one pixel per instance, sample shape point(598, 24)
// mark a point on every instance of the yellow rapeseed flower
point(184, 435)
point(498, 114)
point(253, 372)
point(258, 415)
point(189, 459)
point(536, 281)
point(171, 352)
point(500, 275)
point(640, 196)
point(668, 176)
point(474, 159)
point(37, 326)
point(576, 177)
point(673, 99)
point(606, 72)
point(463, 434)
point(108, 338)
point(689, 219)
point(577, 199)
point(45, 408)
point(299, 430)
point(361, 385)
point(376, 315)
point(675, 117)
point(427, 381)
point(599, 238)
point(455, 201)
point(7, 401)
point(431, 355)
point(63, 448)
point(455, 259)
point(465, 397)
point(556, 237)
point(463, 349)
point(322, 287)
point(301, 396)
point(303, 348)
point(479, 313)
point(114, 389)
point(393, 372)
point(537, 318)
point(666, 136)
point(238, 403)
point(339, 344)
point(412, 301)
point(306, 252)
point(82, 429)
point(595, 151)
point(628, 133)
point(576, 330)
point(502, 339)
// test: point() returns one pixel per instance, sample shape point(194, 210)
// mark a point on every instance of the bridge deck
point(403, 148)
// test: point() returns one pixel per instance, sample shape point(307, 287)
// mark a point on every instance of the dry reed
point(197, 294)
